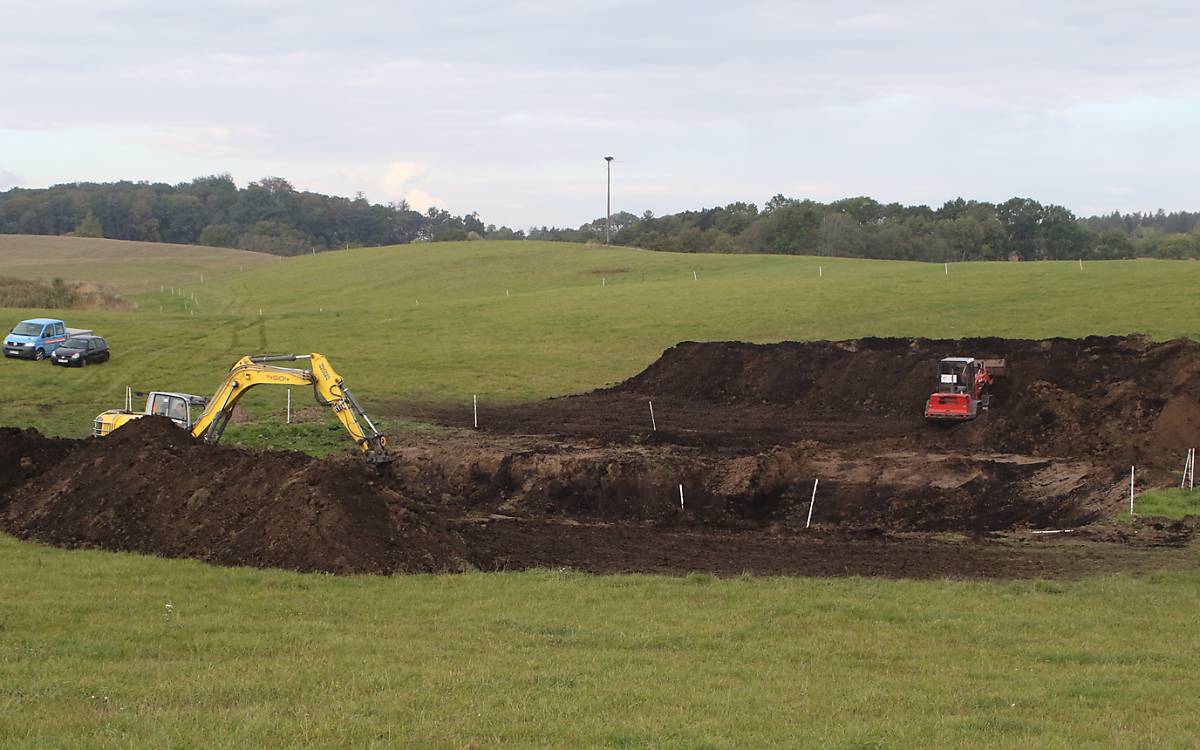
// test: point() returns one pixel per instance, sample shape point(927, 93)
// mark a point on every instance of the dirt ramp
point(151, 488)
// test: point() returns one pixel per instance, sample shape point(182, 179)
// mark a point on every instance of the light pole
point(608, 210)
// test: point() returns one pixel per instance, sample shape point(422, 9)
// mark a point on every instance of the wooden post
point(1131, 474)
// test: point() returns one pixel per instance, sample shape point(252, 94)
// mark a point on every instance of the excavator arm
point(328, 387)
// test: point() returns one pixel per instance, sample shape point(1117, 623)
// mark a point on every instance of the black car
point(77, 352)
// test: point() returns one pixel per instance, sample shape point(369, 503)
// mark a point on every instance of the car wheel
point(39, 355)
point(83, 361)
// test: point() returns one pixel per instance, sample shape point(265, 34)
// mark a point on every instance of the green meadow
point(103, 649)
point(113, 650)
point(526, 320)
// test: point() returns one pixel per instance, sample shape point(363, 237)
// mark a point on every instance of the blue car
point(37, 338)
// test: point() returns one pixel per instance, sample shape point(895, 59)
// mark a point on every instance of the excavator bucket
point(951, 407)
point(996, 367)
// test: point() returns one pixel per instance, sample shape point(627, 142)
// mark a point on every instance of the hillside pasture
point(513, 321)
point(126, 267)
point(104, 649)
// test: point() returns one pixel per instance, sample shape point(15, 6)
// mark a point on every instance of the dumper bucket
point(996, 367)
point(951, 407)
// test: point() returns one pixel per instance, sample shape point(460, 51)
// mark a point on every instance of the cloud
point(419, 200)
point(9, 180)
point(390, 183)
point(397, 178)
point(400, 180)
point(507, 107)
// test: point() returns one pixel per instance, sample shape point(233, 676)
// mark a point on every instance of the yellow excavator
point(206, 418)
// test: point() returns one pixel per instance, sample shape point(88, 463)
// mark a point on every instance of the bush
point(59, 294)
point(89, 226)
point(218, 235)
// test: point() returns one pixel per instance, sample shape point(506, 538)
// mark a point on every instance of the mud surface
point(744, 433)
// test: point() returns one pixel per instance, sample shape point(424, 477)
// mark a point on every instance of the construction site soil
point(721, 481)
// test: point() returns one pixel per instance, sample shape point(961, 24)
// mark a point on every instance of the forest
point(1017, 229)
point(271, 216)
point(267, 216)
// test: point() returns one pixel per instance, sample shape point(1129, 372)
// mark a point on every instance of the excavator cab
point(961, 382)
point(181, 408)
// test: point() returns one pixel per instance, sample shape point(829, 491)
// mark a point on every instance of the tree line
point(267, 216)
point(1017, 229)
point(272, 216)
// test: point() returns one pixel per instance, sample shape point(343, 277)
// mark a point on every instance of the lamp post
point(608, 210)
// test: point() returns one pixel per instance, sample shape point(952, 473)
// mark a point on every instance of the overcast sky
point(508, 108)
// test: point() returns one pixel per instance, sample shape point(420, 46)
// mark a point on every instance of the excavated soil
point(151, 488)
point(744, 433)
point(1126, 399)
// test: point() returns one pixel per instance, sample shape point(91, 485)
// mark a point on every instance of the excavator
point(962, 388)
point(206, 418)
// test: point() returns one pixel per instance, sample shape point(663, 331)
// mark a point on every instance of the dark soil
point(1127, 399)
point(516, 544)
point(745, 430)
point(151, 488)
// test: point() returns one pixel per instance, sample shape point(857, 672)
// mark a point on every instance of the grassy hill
point(127, 267)
point(525, 320)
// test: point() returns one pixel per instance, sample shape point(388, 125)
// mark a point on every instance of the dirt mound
point(151, 488)
point(744, 430)
point(1063, 397)
point(26, 453)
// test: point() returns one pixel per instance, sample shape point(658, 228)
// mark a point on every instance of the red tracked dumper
point(963, 387)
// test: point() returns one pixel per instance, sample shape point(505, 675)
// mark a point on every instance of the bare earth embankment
point(584, 482)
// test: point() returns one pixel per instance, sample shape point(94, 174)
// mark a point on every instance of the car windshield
point(74, 344)
point(28, 329)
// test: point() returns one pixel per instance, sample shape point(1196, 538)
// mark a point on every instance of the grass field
point(524, 320)
point(179, 654)
point(92, 655)
point(126, 267)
